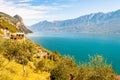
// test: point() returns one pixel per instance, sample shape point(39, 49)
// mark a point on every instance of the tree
point(66, 69)
point(20, 52)
point(96, 69)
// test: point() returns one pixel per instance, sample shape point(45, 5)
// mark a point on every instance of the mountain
point(14, 24)
point(92, 23)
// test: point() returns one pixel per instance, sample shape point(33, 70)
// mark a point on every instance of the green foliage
point(95, 69)
point(20, 54)
point(18, 58)
point(56, 56)
point(66, 69)
point(5, 24)
point(1, 44)
point(44, 65)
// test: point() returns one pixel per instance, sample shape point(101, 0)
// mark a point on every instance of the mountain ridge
point(7, 21)
point(91, 23)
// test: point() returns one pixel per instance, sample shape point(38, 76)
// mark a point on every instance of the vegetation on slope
point(5, 25)
point(18, 60)
point(10, 70)
point(21, 60)
point(95, 69)
point(1, 33)
point(14, 24)
point(7, 17)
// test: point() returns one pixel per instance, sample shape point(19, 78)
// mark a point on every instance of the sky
point(34, 11)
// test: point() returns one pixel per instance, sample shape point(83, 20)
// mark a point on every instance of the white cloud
point(25, 0)
point(28, 12)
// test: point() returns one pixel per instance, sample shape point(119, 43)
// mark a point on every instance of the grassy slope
point(15, 56)
point(4, 24)
point(12, 70)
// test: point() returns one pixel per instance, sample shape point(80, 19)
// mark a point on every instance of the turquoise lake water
point(82, 45)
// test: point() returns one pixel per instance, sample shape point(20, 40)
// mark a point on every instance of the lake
point(81, 45)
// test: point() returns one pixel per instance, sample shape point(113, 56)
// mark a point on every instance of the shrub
point(96, 69)
point(44, 65)
point(66, 69)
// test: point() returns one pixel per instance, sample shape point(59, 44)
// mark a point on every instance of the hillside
point(13, 24)
point(92, 23)
point(23, 59)
point(26, 60)
point(19, 59)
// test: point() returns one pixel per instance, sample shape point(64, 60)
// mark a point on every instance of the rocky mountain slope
point(92, 23)
point(14, 24)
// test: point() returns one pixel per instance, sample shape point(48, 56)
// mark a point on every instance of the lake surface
point(81, 45)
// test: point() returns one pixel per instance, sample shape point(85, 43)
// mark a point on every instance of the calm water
point(82, 45)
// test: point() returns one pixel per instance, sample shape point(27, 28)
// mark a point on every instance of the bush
point(20, 51)
point(96, 69)
point(66, 69)
point(44, 65)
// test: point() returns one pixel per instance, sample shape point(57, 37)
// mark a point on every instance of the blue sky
point(33, 11)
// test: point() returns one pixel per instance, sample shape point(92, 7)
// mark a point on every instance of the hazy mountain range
point(92, 23)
